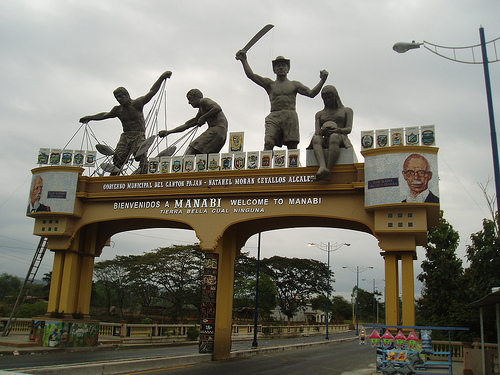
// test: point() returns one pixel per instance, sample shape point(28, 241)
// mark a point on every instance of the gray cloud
point(62, 60)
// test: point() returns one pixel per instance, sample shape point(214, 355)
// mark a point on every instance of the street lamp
point(256, 316)
point(328, 248)
point(403, 47)
point(358, 271)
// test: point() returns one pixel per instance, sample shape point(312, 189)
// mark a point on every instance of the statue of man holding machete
point(282, 124)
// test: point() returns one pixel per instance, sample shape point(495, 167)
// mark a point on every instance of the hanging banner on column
point(208, 303)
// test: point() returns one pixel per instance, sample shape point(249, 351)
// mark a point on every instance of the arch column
point(399, 247)
point(391, 288)
point(408, 286)
point(71, 283)
point(228, 251)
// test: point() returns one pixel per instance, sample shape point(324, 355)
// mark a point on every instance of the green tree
point(178, 270)
point(340, 309)
point(245, 266)
point(267, 295)
point(41, 289)
point(297, 281)
point(10, 286)
point(365, 304)
point(245, 272)
point(484, 257)
point(112, 275)
point(320, 302)
point(245, 287)
point(442, 301)
point(30, 310)
point(139, 279)
point(483, 274)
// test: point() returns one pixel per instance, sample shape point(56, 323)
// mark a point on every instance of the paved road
point(334, 359)
point(58, 357)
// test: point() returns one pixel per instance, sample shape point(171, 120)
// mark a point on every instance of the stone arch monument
point(226, 207)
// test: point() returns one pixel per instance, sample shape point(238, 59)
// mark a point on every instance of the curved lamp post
point(450, 53)
point(328, 248)
point(256, 316)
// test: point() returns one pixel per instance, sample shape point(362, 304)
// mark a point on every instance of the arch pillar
point(71, 283)
point(228, 252)
point(399, 248)
point(408, 288)
point(391, 288)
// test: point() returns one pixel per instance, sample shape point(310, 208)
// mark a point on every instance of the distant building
point(304, 315)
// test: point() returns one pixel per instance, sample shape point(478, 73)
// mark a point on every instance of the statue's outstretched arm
point(188, 124)
point(156, 86)
point(99, 116)
point(311, 93)
point(261, 81)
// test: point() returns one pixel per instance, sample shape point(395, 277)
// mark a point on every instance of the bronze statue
point(332, 124)
point(130, 113)
point(212, 139)
point(282, 124)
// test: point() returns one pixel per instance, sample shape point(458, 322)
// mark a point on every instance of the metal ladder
point(28, 281)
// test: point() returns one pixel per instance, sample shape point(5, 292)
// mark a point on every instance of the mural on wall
point(208, 303)
point(401, 178)
point(57, 334)
point(52, 192)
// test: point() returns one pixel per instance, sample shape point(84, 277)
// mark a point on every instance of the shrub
point(31, 310)
point(193, 333)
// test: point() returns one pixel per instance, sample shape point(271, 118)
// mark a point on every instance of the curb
point(282, 348)
point(120, 366)
point(105, 346)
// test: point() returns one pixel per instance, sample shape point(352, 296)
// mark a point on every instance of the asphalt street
point(34, 358)
point(334, 359)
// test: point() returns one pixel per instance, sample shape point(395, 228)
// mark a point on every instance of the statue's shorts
point(211, 140)
point(283, 127)
point(128, 145)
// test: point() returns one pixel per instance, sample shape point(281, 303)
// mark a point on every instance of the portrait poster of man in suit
point(52, 191)
point(36, 191)
point(401, 178)
point(417, 174)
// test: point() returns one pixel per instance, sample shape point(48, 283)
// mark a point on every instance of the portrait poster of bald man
point(52, 192)
point(401, 178)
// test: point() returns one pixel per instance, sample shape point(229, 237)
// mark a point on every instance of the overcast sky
point(61, 60)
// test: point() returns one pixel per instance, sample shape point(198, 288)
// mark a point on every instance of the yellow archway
point(224, 208)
